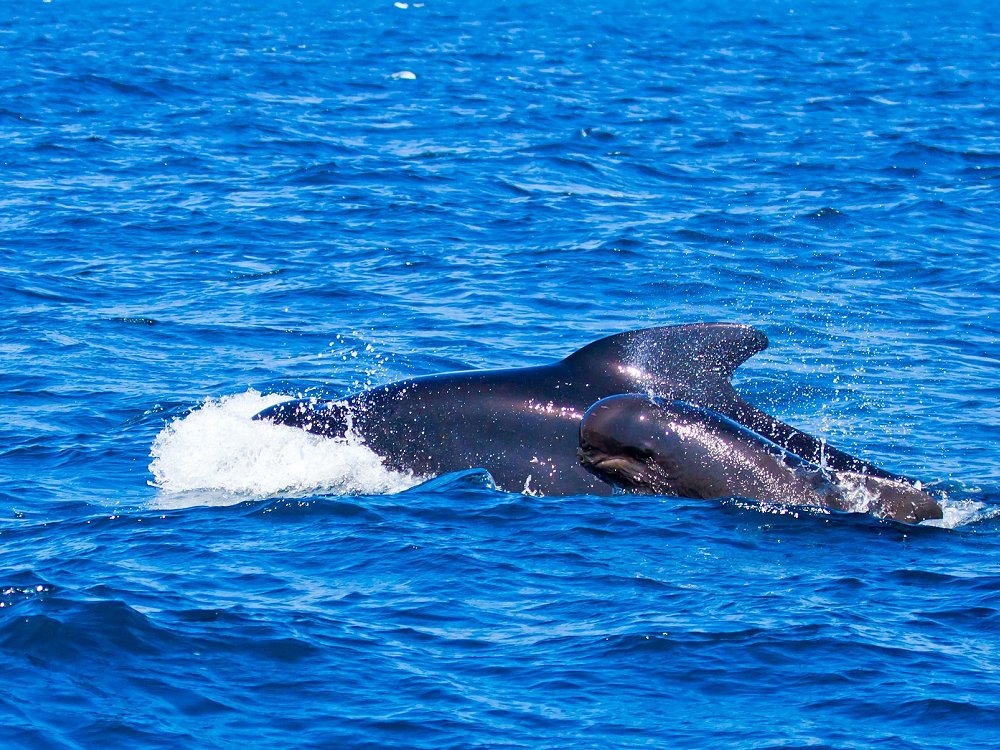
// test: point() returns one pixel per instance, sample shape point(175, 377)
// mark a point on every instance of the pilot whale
point(522, 425)
point(649, 445)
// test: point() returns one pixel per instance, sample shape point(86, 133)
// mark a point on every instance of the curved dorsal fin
point(695, 356)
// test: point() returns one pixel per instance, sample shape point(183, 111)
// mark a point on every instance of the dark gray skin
point(654, 446)
point(523, 424)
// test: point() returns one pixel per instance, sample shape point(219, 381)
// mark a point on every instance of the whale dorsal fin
point(700, 358)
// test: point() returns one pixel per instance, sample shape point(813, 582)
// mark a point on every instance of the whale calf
point(522, 425)
point(650, 445)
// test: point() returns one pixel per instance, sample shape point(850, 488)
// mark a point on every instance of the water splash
point(217, 454)
point(959, 513)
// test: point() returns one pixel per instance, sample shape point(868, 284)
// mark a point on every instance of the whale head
point(621, 441)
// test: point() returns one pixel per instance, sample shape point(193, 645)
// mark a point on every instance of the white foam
point(957, 513)
point(218, 454)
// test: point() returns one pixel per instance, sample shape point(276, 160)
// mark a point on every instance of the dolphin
point(522, 425)
point(649, 445)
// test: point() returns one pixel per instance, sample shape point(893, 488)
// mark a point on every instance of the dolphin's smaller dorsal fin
point(698, 355)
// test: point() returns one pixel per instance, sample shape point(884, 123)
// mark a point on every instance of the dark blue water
point(206, 207)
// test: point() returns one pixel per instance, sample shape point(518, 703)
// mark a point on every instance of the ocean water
point(208, 207)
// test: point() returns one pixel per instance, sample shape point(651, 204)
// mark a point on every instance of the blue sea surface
point(206, 208)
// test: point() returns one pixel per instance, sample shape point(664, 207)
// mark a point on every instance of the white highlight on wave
point(218, 454)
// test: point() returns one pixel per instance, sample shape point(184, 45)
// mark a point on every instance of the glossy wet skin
point(674, 448)
point(655, 446)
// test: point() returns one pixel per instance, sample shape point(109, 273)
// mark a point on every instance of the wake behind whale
point(217, 455)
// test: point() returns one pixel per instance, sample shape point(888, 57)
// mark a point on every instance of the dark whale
point(650, 445)
point(523, 424)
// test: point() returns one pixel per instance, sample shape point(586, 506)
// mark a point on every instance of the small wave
point(13, 595)
point(317, 174)
point(219, 455)
point(826, 213)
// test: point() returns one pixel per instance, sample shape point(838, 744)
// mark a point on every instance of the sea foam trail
point(219, 448)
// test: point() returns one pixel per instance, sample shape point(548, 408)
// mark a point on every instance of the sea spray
point(219, 447)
